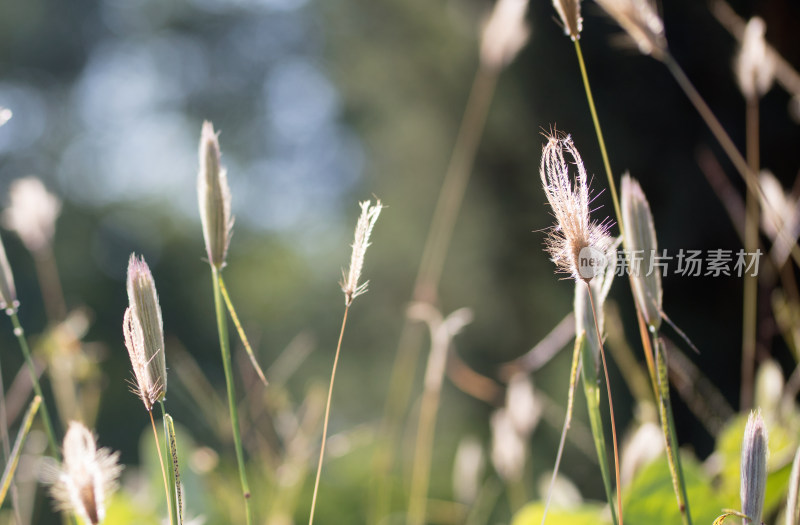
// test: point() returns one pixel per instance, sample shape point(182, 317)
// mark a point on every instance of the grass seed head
point(32, 213)
point(754, 65)
point(144, 333)
point(366, 221)
point(8, 292)
point(640, 238)
point(505, 33)
point(641, 22)
point(578, 246)
point(214, 197)
point(83, 483)
point(569, 11)
point(754, 468)
point(5, 115)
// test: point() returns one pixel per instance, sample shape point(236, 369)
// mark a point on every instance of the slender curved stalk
point(16, 452)
point(428, 276)
point(723, 138)
point(610, 403)
point(327, 416)
point(670, 437)
point(37, 388)
point(750, 296)
point(161, 464)
point(224, 345)
point(592, 392)
point(240, 330)
point(573, 380)
point(599, 133)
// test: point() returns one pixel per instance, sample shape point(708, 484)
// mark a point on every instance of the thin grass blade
point(174, 472)
point(592, 391)
point(240, 330)
point(668, 426)
point(16, 452)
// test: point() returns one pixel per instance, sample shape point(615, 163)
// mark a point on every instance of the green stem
point(573, 380)
point(163, 470)
point(668, 426)
point(224, 346)
point(592, 391)
point(172, 481)
point(37, 388)
point(599, 133)
point(13, 459)
point(240, 330)
point(327, 416)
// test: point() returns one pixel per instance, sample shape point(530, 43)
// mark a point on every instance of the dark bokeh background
point(322, 104)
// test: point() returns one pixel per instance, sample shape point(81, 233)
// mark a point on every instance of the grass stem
point(748, 175)
point(161, 464)
point(599, 133)
point(13, 457)
point(327, 417)
point(224, 345)
point(610, 403)
point(426, 285)
point(750, 295)
point(37, 388)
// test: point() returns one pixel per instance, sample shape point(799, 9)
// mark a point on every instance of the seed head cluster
point(641, 22)
point(366, 221)
point(144, 334)
point(84, 482)
point(569, 199)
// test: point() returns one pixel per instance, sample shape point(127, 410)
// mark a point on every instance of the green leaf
point(650, 498)
point(587, 514)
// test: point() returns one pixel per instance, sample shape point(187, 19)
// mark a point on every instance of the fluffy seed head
point(754, 468)
point(641, 22)
point(524, 409)
point(214, 197)
point(505, 33)
point(508, 447)
point(8, 292)
point(83, 483)
point(32, 212)
point(144, 333)
point(574, 238)
point(569, 11)
point(366, 221)
point(754, 65)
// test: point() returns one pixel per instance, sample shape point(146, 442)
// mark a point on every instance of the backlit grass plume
point(144, 333)
point(143, 329)
point(569, 11)
point(641, 22)
point(83, 483)
point(214, 197)
point(505, 33)
point(574, 234)
point(580, 248)
point(754, 468)
point(366, 221)
point(754, 65)
point(352, 289)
